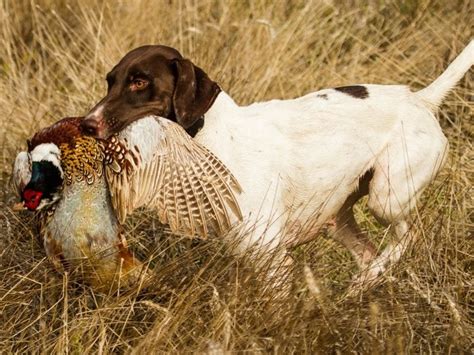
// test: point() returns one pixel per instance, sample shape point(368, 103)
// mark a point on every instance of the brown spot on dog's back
point(322, 96)
point(357, 91)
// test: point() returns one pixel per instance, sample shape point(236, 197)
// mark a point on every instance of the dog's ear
point(194, 93)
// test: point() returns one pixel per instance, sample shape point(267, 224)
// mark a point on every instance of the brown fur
point(152, 80)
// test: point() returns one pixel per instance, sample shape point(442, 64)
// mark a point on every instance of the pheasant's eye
point(138, 84)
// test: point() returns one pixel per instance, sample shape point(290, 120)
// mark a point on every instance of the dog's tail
point(434, 93)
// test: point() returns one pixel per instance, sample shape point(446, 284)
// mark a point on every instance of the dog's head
point(152, 80)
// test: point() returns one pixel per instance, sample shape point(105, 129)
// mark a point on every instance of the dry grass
point(53, 59)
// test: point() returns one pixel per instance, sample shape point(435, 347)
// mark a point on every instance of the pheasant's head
point(39, 172)
point(43, 188)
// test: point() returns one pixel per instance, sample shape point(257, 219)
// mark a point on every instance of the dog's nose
point(90, 126)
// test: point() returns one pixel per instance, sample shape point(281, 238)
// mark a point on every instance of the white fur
point(298, 160)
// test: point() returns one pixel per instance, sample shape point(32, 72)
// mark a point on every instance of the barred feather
point(154, 163)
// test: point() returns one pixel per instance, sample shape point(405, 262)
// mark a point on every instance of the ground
point(53, 60)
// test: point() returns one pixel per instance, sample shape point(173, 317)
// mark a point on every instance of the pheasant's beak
point(19, 206)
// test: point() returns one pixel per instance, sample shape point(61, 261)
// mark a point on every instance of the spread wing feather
point(154, 163)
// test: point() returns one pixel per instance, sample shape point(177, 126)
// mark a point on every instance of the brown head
point(152, 80)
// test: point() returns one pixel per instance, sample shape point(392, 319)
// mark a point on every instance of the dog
point(303, 162)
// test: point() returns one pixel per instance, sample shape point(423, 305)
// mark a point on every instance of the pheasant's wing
point(155, 163)
point(21, 171)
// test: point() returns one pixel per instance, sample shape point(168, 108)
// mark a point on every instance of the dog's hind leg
point(400, 176)
point(389, 256)
point(346, 231)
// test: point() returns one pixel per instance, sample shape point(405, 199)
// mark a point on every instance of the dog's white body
point(310, 152)
point(299, 160)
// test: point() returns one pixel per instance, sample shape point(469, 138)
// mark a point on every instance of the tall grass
point(53, 58)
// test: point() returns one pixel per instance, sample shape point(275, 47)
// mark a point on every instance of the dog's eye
point(138, 84)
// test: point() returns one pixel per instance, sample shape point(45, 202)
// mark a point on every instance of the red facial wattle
point(32, 199)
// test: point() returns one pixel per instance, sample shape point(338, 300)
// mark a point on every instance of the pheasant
point(84, 188)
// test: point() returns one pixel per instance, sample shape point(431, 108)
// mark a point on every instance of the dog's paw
point(366, 279)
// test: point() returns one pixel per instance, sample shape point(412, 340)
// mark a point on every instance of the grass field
point(53, 58)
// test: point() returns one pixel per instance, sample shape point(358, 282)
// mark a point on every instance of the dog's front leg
point(262, 241)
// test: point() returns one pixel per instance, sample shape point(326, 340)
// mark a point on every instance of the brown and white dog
point(300, 162)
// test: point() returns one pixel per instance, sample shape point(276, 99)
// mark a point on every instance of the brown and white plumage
point(155, 163)
point(79, 229)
